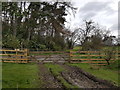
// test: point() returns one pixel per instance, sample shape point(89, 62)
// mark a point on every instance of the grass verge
point(19, 75)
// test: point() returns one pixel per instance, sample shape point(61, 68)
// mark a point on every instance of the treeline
point(34, 25)
point(40, 26)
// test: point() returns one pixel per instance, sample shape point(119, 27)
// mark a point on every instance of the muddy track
point(72, 75)
point(82, 79)
point(57, 78)
point(49, 81)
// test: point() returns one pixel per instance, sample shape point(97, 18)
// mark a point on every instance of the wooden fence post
point(69, 56)
point(26, 55)
point(89, 57)
point(16, 56)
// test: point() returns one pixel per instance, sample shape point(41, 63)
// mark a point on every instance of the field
point(59, 75)
point(53, 76)
point(19, 75)
point(48, 45)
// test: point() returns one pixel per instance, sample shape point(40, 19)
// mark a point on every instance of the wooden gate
point(49, 56)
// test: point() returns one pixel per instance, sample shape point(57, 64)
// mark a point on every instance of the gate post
point(26, 54)
point(16, 53)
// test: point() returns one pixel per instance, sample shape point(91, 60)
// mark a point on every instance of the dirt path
point(73, 75)
point(48, 79)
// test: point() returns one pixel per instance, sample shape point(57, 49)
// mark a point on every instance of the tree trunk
point(108, 62)
point(29, 34)
point(15, 25)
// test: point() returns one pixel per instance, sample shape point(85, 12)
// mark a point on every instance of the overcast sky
point(103, 12)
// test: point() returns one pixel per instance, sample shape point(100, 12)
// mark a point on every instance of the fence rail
point(14, 56)
point(92, 57)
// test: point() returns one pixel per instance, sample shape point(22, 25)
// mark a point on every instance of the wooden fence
point(14, 56)
point(92, 57)
point(24, 56)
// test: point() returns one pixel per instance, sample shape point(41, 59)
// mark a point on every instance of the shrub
point(57, 48)
point(42, 47)
point(110, 54)
point(115, 65)
point(12, 42)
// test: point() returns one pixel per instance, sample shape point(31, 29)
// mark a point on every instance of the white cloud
point(103, 12)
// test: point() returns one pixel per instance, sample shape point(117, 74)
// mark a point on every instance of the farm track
point(49, 81)
point(72, 75)
point(83, 79)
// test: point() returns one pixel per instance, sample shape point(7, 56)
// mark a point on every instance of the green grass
point(19, 75)
point(103, 73)
point(77, 48)
point(56, 69)
point(114, 66)
point(105, 47)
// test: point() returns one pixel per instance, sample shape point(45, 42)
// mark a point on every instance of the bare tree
point(80, 35)
point(110, 54)
point(94, 41)
point(72, 38)
point(86, 31)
